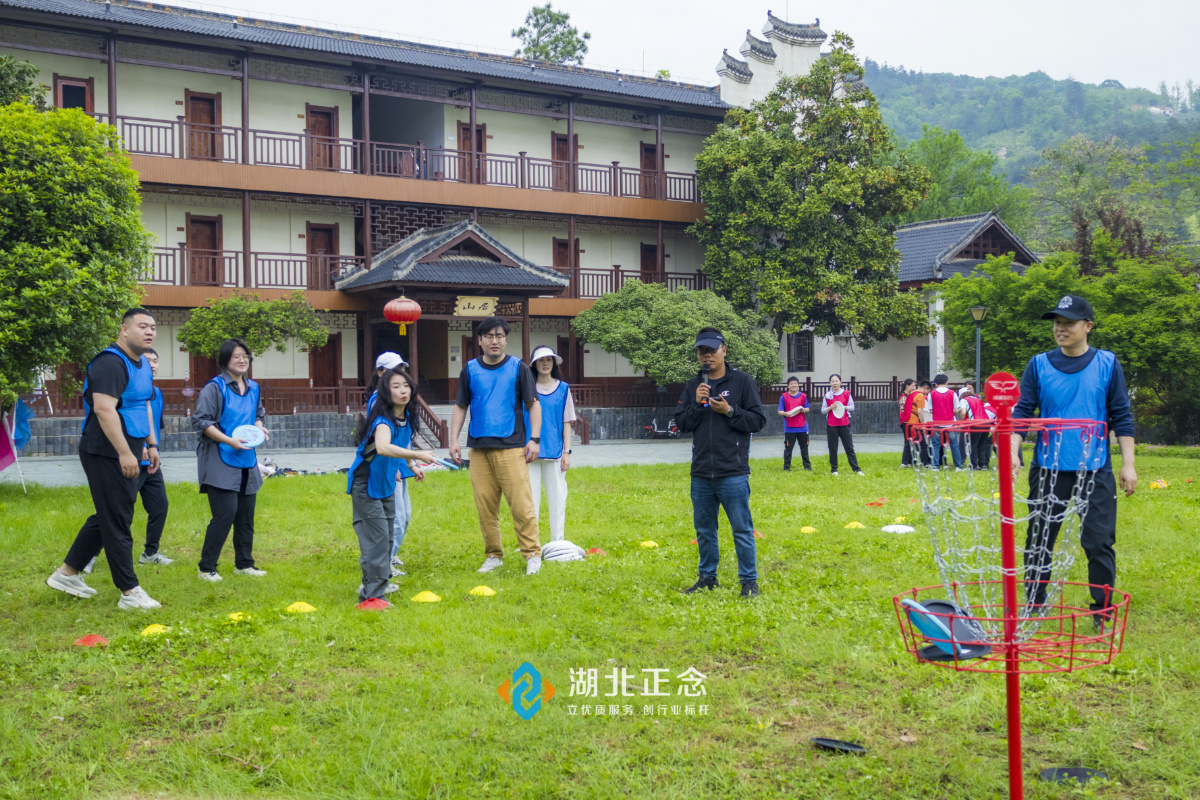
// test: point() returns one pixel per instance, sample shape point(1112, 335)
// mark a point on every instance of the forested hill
point(1019, 116)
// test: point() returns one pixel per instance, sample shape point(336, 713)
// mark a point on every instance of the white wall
point(67, 67)
point(158, 93)
point(280, 106)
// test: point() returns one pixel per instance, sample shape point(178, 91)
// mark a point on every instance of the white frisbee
point(839, 410)
point(252, 435)
point(898, 529)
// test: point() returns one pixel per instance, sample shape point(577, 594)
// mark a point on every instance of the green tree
point(655, 329)
point(72, 245)
point(261, 324)
point(798, 193)
point(18, 84)
point(965, 181)
point(1147, 312)
point(548, 35)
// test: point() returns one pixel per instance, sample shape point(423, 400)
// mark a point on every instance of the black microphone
point(704, 370)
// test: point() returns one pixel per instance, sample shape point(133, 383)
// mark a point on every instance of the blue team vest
point(156, 406)
point(237, 410)
point(1083, 395)
point(382, 471)
point(131, 405)
point(493, 398)
point(554, 405)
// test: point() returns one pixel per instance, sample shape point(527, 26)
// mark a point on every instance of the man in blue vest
point(495, 387)
point(153, 488)
point(117, 426)
point(1076, 381)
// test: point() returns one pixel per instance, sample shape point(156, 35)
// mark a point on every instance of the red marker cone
point(91, 640)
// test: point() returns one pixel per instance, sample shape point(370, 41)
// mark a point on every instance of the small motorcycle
point(652, 431)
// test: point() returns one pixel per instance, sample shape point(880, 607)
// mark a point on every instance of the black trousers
point(981, 450)
point(113, 496)
point(153, 490)
point(1097, 537)
point(234, 509)
point(789, 441)
point(834, 434)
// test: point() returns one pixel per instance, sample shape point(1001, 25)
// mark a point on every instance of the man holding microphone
point(721, 408)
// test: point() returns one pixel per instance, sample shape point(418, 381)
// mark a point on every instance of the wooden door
point(206, 262)
point(322, 251)
point(560, 153)
point(562, 257)
point(477, 172)
point(201, 370)
point(470, 349)
point(649, 166)
point(922, 363)
point(74, 93)
point(649, 265)
point(325, 363)
point(203, 123)
point(322, 126)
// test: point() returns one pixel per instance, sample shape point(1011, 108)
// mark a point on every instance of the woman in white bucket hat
point(554, 457)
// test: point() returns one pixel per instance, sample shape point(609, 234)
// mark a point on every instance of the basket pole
point(1012, 677)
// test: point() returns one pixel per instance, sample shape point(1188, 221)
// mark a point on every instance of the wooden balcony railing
point(299, 271)
point(591, 282)
point(182, 266)
point(179, 138)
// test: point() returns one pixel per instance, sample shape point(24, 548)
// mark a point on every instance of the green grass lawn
point(404, 704)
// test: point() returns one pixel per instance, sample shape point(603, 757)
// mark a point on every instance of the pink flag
point(8, 455)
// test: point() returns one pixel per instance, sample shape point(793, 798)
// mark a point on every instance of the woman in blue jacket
point(383, 446)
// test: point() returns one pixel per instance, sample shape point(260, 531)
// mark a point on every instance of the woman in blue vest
point(383, 446)
point(554, 456)
point(228, 467)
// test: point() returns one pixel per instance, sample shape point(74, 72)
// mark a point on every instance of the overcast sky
point(1139, 44)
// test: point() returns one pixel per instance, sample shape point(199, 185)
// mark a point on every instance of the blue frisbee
point(933, 627)
point(252, 435)
point(447, 463)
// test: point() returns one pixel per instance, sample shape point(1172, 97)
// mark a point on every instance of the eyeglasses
point(495, 337)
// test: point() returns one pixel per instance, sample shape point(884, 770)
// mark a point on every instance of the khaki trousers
point(496, 471)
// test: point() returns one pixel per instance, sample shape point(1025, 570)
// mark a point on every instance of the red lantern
point(402, 311)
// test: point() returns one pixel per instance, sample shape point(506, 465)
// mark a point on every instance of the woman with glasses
point(228, 467)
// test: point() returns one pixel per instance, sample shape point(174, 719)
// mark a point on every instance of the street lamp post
point(978, 313)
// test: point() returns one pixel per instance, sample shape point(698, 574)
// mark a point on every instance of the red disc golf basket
point(1003, 606)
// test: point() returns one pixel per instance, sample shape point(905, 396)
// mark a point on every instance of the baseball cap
point(711, 339)
point(1072, 307)
point(389, 360)
point(543, 351)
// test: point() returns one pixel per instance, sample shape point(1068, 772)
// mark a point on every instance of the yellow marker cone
point(855, 525)
point(239, 616)
point(808, 529)
point(482, 591)
point(898, 520)
point(155, 630)
point(1159, 484)
point(995, 495)
point(649, 544)
point(300, 607)
point(426, 597)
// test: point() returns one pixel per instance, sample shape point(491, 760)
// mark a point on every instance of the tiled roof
point(739, 69)
point(790, 30)
point(333, 43)
point(758, 47)
point(400, 263)
point(926, 248)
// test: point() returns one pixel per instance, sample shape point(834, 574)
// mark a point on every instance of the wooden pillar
point(247, 267)
point(245, 108)
point(367, 367)
point(572, 267)
point(368, 162)
point(112, 79)
point(524, 327)
point(475, 215)
point(572, 154)
point(412, 352)
point(660, 190)
point(660, 255)
point(368, 248)
point(573, 372)
point(472, 176)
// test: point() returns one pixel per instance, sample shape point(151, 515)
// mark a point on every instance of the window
point(800, 351)
point(923, 363)
point(73, 93)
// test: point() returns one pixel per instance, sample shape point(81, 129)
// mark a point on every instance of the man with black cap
point(1076, 381)
point(721, 408)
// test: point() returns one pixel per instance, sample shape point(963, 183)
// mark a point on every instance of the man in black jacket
point(721, 409)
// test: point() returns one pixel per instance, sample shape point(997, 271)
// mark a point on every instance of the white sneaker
point(70, 584)
point(396, 562)
point(398, 573)
point(391, 587)
point(490, 564)
point(211, 577)
point(157, 558)
point(255, 571)
point(533, 566)
point(834, 474)
point(860, 472)
point(88, 569)
point(137, 598)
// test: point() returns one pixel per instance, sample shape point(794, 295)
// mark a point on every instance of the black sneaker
point(703, 583)
point(1100, 622)
point(787, 469)
point(750, 589)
